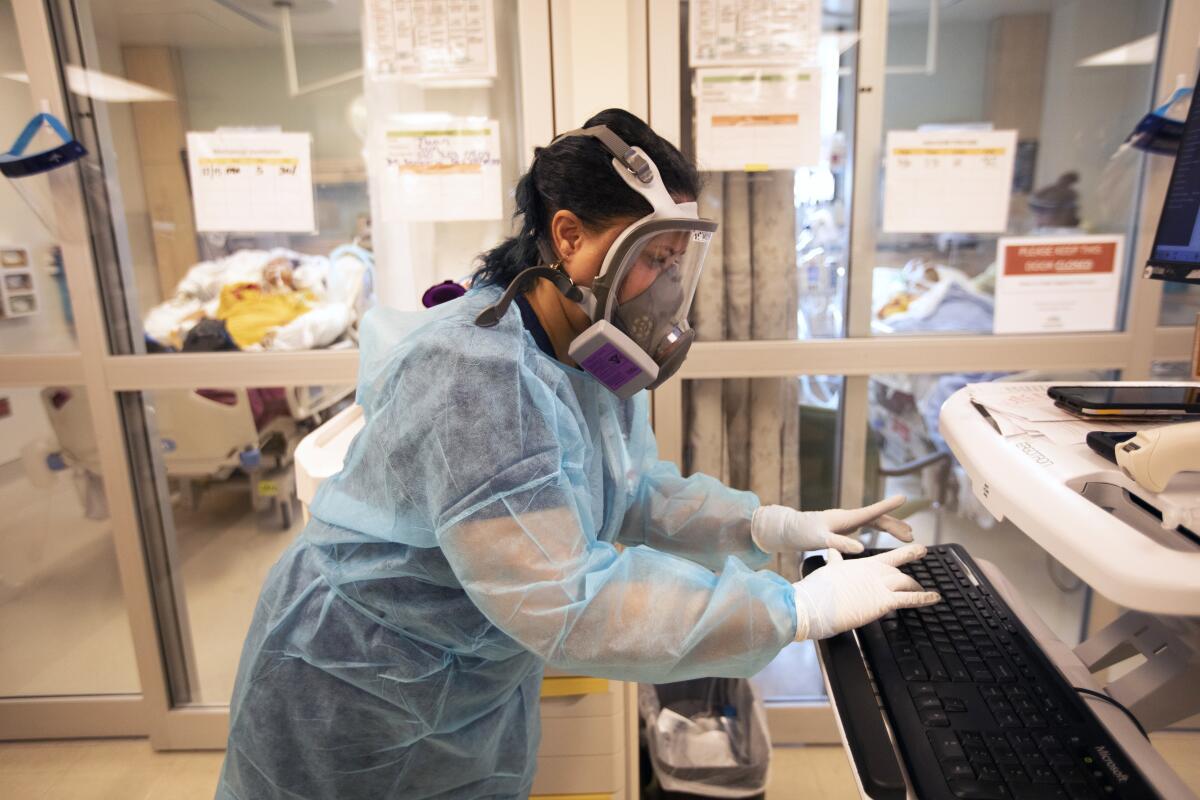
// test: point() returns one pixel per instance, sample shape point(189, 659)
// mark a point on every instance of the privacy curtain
point(747, 431)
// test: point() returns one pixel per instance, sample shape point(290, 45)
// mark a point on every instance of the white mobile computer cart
point(1107, 530)
point(589, 725)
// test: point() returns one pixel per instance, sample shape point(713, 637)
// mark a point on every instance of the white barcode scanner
point(1154, 456)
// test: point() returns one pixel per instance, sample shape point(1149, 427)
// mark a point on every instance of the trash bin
point(704, 738)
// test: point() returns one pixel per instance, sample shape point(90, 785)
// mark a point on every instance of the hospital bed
point(214, 437)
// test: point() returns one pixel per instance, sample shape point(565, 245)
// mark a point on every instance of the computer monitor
point(1176, 252)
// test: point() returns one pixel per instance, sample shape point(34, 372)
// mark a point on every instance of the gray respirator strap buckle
point(616, 146)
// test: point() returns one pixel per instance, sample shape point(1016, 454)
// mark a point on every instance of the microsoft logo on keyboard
point(1120, 775)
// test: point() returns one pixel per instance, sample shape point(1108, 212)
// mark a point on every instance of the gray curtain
point(746, 431)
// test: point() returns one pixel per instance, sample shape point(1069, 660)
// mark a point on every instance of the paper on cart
point(1028, 401)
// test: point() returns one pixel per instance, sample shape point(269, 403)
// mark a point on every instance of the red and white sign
point(1054, 285)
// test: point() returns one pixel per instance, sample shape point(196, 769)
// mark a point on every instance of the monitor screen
point(1176, 252)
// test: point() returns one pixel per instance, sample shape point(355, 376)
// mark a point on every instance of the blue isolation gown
point(398, 645)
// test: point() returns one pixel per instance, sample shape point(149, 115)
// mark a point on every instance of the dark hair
point(576, 174)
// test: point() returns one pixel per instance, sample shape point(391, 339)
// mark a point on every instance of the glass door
point(68, 664)
point(829, 332)
point(259, 176)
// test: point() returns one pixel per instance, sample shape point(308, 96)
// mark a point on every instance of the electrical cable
point(1115, 704)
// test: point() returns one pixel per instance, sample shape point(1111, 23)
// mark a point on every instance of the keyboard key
point(1038, 791)
point(957, 768)
point(956, 704)
point(1034, 720)
point(987, 772)
point(1003, 673)
point(1023, 743)
point(978, 790)
point(1042, 774)
point(1069, 773)
point(932, 663)
point(945, 746)
point(1013, 773)
point(922, 690)
point(982, 675)
point(1008, 721)
point(912, 670)
point(978, 755)
point(955, 667)
point(990, 691)
point(935, 719)
point(929, 704)
point(995, 740)
point(1005, 756)
point(971, 738)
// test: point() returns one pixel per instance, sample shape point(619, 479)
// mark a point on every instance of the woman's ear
point(566, 233)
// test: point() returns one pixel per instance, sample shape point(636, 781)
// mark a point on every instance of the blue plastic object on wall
point(17, 164)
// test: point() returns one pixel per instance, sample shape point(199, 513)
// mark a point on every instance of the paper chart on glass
point(430, 39)
point(725, 33)
point(442, 171)
point(252, 182)
point(1051, 285)
point(1019, 409)
point(956, 181)
point(758, 119)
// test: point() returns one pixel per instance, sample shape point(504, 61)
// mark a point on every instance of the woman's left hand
point(779, 529)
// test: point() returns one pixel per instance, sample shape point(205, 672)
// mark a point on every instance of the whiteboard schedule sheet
point(948, 181)
point(252, 182)
point(443, 172)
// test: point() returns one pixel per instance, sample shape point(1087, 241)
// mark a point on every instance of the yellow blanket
point(250, 313)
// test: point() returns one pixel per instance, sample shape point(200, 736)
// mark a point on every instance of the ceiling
point(224, 23)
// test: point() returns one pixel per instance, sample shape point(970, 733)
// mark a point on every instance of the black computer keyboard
point(977, 709)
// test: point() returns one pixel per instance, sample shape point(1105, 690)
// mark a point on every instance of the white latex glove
point(779, 529)
point(843, 595)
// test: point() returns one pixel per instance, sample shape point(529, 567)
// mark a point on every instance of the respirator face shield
point(646, 286)
point(639, 301)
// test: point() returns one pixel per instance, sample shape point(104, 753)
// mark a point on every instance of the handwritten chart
point(252, 182)
point(444, 173)
point(957, 181)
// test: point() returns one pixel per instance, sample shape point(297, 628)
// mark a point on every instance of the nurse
point(470, 541)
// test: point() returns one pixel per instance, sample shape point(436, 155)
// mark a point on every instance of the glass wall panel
point(1054, 73)
point(779, 438)
point(248, 156)
point(63, 624)
point(779, 267)
point(226, 466)
point(35, 308)
point(1180, 304)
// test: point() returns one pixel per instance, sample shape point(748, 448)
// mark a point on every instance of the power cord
point(1115, 704)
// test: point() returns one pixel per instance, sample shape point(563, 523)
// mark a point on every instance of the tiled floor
point(130, 770)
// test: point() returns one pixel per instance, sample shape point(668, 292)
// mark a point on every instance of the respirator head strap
point(630, 157)
point(491, 315)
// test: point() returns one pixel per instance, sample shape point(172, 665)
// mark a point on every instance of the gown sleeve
point(698, 517)
point(502, 459)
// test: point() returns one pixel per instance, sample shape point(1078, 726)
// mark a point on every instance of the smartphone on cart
point(1128, 401)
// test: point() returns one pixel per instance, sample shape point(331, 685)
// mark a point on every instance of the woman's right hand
point(847, 594)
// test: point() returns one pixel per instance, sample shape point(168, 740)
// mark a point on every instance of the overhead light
point(1139, 51)
point(102, 86)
